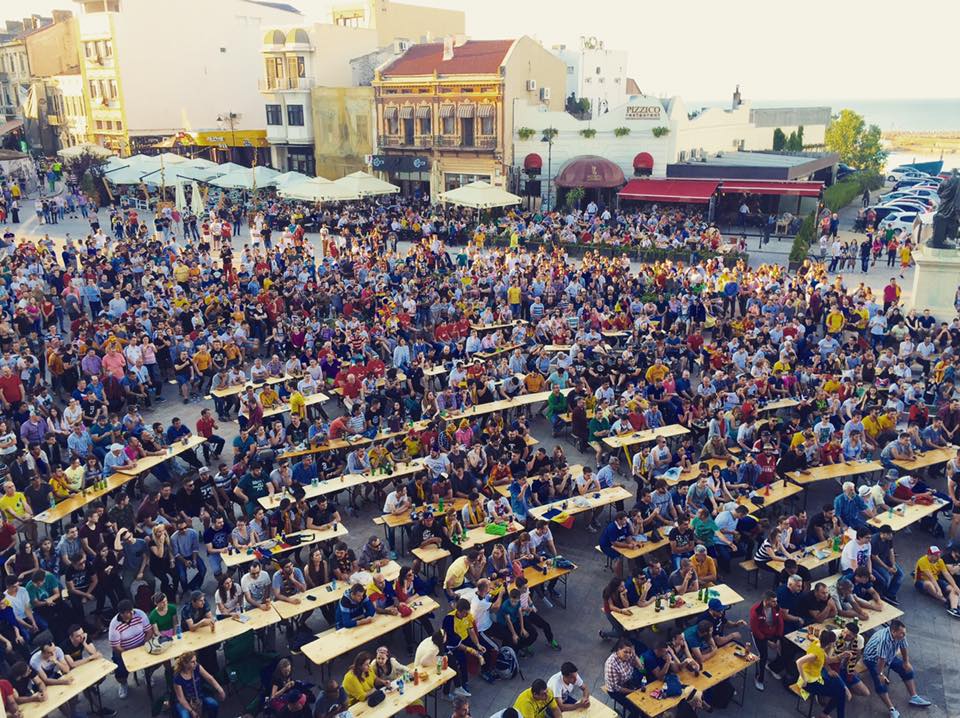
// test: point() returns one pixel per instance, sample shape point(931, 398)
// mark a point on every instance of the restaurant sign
point(642, 112)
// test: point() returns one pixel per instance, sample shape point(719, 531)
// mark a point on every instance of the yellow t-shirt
point(529, 707)
point(513, 295)
point(456, 573)
point(813, 671)
point(14, 506)
point(871, 426)
point(357, 689)
point(834, 322)
point(796, 440)
point(935, 569)
point(656, 373)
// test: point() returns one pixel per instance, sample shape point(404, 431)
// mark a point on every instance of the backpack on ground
point(506, 666)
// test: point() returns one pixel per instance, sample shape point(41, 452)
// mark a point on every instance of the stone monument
point(937, 273)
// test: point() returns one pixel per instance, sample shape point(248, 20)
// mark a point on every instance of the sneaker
point(758, 684)
point(774, 673)
point(106, 712)
point(554, 645)
point(919, 701)
point(955, 612)
point(461, 692)
point(547, 602)
point(894, 713)
point(592, 529)
point(488, 677)
point(124, 691)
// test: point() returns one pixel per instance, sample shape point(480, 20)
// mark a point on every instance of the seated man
point(931, 576)
point(815, 606)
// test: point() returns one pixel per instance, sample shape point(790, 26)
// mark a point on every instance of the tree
point(584, 106)
point(795, 141)
point(858, 145)
point(779, 140)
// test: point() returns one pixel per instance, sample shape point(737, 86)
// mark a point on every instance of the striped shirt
point(883, 645)
point(129, 635)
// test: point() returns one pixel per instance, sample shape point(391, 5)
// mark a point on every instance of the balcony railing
point(280, 84)
point(480, 144)
point(401, 141)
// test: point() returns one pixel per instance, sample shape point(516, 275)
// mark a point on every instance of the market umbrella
point(196, 201)
point(365, 185)
point(316, 189)
point(289, 177)
point(479, 195)
point(246, 178)
point(179, 197)
point(85, 148)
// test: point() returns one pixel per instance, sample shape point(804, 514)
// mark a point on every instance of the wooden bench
point(752, 570)
point(608, 562)
point(812, 699)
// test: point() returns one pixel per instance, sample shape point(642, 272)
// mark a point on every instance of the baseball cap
point(892, 474)
point(716, 605)
point(934, 549)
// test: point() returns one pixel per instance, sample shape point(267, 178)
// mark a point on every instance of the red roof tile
point(472, 58)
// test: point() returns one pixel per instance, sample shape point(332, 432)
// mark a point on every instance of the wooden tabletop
point(906, 514)
point(779, 404)
point(394, 704)
point(310, 537)
point(596, 709)
point(498, 351)
point(645, 436)
point(643, 549)
point(835, 471)
point(325, 595)
point(148, 462)
point(810, 560)
point(595, 499)
point(535, 577)
point(492, 327)
point(81, 678)
point(722, 665)
point(773, 494)
point(345, 640)
point(348, 443)
point(227, 628)
point(502, 405)
point(347, 481)
point(395, 520)
point(575, 470)
point(692, 606)
point(928, 458)
point(887, 612)
point(311, 400)
point(77, 501)
point(557, 347)
point(242, 386)
point(475, 537)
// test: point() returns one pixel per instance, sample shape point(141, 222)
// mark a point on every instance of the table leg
point(146, 679)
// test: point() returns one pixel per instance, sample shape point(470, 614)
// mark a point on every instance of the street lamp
point(229, 119)
point(548, 135)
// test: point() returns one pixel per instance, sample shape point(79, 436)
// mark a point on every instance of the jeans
point(896, 665)
point(891, 582)
point(833, 689)
point(197, 581)
point(763, 650)
point(210, 707)
point(218, 443)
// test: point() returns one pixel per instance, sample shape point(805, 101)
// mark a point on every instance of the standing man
point(766, 625)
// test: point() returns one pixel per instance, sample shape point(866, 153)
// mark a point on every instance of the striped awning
point(446, 111)
point(423, 112)
point(465, 111)
point(485, 110)
point(390, 113)
point(406, 112)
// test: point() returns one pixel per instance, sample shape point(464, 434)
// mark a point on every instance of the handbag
point(196, 703)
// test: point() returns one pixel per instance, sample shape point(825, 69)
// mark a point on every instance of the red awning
point(10, 126)
point(533, 161)
point(670, 190)
point(802, 189)
point(643, 161)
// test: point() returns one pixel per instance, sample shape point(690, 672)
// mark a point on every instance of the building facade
point(140, 92)
point(307, 69)
point(595, 73)
point(445, 111)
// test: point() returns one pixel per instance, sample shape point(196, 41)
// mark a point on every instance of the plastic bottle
point(416, 677)
point(179, 631)
point(643, 684)
point(400, 686)
point(333, 583)
point(53, 500)
point(441, 504)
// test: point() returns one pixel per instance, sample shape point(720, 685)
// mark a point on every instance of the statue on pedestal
point(947, 219)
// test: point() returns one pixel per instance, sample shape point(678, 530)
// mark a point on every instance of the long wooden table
point(502, 405)
point(335, 642)
point(906, 514)
point(635, 438)
point(722, 666)
point(810, 560)
point(929, 458)
point(345, 482)
point(641, 617)
point(475, 537)
point(394, 704)
point(350, 443)
point(308, 401)
point(595, 500)
point(773, 494)
point(235, 389)
point(778, 405)
point(843, 470)
point(82, 677)
point(149, 462)
point(77, 501)
point(397, 520)
point(497, 351)
point(310, 537)
point(325, 595)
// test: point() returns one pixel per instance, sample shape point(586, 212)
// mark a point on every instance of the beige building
point(445, 110)
point(312, 126)
point(149, 74)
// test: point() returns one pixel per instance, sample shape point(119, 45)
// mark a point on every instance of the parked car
point(899, 173)
point(925, 193)
point(918, 182)
point(903, 221)
point(844, 171)
point(909, 205)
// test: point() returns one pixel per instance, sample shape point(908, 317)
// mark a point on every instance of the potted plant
point(621, 131)
point(550, 132)
point(660, 131)
point(588, 133)
point(525, 133)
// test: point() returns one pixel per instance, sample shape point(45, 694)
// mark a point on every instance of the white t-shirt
point(258, 588)
point(536, 539)
point(854, 555)
point(392, 502)
point(563, 691)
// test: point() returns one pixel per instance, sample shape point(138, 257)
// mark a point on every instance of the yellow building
point(445, 110)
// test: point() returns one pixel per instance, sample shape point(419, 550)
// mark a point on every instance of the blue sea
point(910, 115)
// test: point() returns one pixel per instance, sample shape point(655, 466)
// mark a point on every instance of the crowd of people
point(409, 339)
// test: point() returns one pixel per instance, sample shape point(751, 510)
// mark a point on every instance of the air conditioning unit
point(531, 85)
point(544, 93)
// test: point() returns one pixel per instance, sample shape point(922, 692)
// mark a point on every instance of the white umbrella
point(200, 163)
point(85, 148)
point(179, 198)
point(479, 195)
point(316, 189)
point(365, 185)
point(247, 178)
point(170, 158)
point(289, 177)
point(196, 201)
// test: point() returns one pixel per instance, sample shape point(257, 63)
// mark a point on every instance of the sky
point(701, 49)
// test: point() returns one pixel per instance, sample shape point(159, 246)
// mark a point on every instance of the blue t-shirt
point(612, 533)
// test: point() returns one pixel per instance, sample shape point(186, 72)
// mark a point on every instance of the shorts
point(941, 582)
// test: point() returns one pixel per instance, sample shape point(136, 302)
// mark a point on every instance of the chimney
point(447, 49)
point(459, 40)
point(737, 100)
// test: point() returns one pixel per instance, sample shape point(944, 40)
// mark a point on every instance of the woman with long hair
point(188, 679)
point(229, 598)
point(615, 600)
point(161, 560)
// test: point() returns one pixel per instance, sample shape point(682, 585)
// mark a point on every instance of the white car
point(922, 195)
point(899, 173)
point(907, 205)
point(903, 221)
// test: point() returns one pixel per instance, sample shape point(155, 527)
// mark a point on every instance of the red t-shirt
point(11, 389)
point(7, 535)
point(205, 426)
